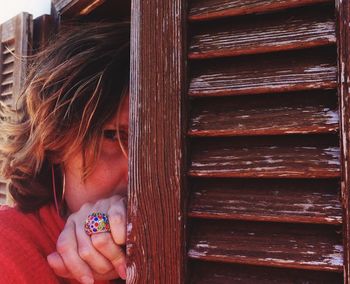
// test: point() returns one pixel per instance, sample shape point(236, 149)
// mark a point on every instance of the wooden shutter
point(76, 8)
point(16, 40)
point(15, 44)
point(257, 191)
point(265, 165)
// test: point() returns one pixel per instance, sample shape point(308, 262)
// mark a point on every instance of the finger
point(97, 261)
point(104, 243)
point(117, 221)
point(67, 248)
point(56, 263)
point(107, 276)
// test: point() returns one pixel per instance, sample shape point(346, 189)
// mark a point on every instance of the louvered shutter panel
point(15, 44)
point(265, 167)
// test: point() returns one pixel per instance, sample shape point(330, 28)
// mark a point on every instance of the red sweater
point(25, 241)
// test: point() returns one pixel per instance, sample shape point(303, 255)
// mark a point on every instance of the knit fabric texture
point(25, 242)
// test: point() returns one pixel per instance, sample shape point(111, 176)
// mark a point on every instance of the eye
point(110, 134)
point(123, 136)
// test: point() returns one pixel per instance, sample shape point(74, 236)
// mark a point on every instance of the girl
point(64, 155)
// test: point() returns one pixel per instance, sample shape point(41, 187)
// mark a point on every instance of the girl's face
point(110, 173)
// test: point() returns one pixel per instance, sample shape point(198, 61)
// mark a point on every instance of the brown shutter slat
point(6, 94)
point(290, 30)
point(9, 59)
point(7, 89)
point(70, 8)
point(223, 273)
point(306, 246)
point(307, 112)
point(7, 80)
point(9, 49)
point(8, 68)
point(282, 156)
point(297, 201)
point(211, 9)
point(286, 71)
point(3, 192)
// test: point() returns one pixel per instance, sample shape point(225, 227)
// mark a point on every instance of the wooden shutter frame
point(156, 225)
point(70, 8)
point(18, 31)
point(15, 29)
point(1, 53)
point(343, 34)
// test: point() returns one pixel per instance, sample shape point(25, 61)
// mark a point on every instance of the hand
point(98, 257)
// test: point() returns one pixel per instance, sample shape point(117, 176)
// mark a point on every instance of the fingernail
point(87, 280)
point(122, 271)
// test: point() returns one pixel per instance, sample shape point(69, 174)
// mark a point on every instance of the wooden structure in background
point(16, 37)
point(239, 139)
point(265, 163)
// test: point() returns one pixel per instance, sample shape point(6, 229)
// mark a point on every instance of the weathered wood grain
point(265, 73)
point(6, 80)
point(298, 157)
point(212, 9)
point(9, 47)
point(15, 46)
point(285, 200)
point(343, 34)
point(259, 34)
point(1, 55)
point(6, 94)
point(8, 68)
point(156, 193)
point(271, 114)
point(223, 273)
point(315, 247)
point(45, 27)
point(8, 58)
point(70, 8)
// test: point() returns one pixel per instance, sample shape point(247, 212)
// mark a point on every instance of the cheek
point(110, 173)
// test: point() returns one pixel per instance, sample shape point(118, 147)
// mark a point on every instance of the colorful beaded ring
point(97, 222)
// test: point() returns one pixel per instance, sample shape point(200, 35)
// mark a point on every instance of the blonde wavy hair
point(73, 87)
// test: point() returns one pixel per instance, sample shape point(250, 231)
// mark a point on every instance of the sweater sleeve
point(22, 254)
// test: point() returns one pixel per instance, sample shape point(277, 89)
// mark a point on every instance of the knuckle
point(117, 218)
point(115, 198)
point(85, 206)
point(84, 252)
point(120, 239)
point(119, 257)
point(100, 240)
point(102, 269)
point(62, 245)
point(99, 203)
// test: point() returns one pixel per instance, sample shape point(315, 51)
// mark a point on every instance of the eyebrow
point(123, 127)
point(112, 126)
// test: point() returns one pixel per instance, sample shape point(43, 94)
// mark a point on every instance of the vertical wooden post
point(155, 242)
point(342, 15)
point(1, 58)
point(23, 34)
